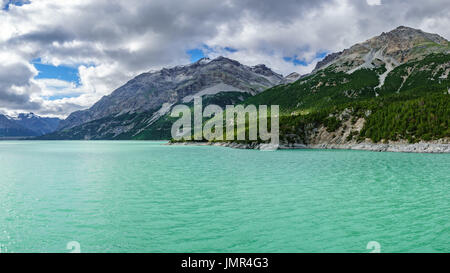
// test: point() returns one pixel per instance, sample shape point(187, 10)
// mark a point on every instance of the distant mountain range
point(27, 125)
point(393, 87)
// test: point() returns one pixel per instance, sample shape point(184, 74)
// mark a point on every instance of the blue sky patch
point(59, 97)
point(296, 61)
point(15, 3)
point(321, 55)
point(64, 73)
point(195, 54)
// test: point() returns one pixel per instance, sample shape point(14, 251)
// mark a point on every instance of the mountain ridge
point(405, 70)
point(393, 88)
point(149, 91)
point(396, 45)
point(27, 125)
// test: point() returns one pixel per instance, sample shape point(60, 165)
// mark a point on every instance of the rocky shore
point(422, 147)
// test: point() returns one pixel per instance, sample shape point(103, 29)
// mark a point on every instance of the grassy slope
point(320, 90)
point(416, 108)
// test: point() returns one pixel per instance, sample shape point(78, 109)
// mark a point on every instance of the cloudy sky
point(58, 56)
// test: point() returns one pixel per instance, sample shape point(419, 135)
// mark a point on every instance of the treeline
point(426, 118)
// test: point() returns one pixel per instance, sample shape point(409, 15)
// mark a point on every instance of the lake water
point(150, 197)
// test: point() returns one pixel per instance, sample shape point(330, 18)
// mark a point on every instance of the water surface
point(149, 197)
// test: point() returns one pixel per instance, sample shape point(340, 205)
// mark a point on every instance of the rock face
point(27, 125)
point(328, 59)
point(150, 91)
point(292, 77)
point(391, 49)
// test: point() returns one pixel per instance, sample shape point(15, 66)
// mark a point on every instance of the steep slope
point(390, 49)
point(141, 102)
point(393, 87)
point(402, 59)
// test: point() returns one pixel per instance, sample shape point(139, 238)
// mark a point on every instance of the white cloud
point(374, 2)
point(109, 42)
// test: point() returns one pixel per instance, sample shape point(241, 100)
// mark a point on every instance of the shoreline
point(421, 147)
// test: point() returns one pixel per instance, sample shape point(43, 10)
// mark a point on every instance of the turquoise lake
point(149, 197)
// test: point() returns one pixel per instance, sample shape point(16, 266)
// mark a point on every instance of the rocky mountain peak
point(390, 49)
point(405, 38)
point(27, 116)
point(204, 60)
point(225, 60)
point(150, 91)
point(294, 76)
point(262, 69)
point(408, 33)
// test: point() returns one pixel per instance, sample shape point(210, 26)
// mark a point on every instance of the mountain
point(27, 125)
point(140, 104)
point(35, 123)
point(393, 87)
point(390, 49)
point(294, 76)
point(9, 128)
